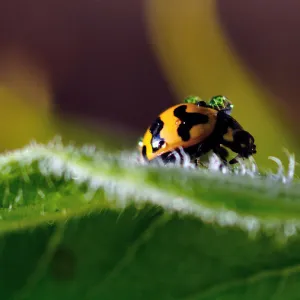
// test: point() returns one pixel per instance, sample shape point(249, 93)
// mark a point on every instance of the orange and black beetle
point(197, 127)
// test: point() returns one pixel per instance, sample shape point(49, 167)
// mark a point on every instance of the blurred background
point(100, 71)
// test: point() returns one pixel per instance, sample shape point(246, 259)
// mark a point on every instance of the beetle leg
point(222, 153)
point(234, 160)
point(199, 163)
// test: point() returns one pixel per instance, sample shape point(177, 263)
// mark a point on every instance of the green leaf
point(86, 224)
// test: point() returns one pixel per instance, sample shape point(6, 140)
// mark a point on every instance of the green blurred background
point(100, 72)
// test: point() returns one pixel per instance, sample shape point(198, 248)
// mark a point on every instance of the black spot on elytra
point(156, 126)
point(155, 129)
point(63, 264)
point(144, 150)
point(188, 121)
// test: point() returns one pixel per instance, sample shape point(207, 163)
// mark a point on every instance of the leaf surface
point(86, 224)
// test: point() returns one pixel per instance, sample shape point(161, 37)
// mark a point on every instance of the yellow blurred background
point(193, 54)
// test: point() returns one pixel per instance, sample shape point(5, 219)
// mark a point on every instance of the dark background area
point(99, 62)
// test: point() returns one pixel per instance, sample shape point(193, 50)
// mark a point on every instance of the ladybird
point(197, 127)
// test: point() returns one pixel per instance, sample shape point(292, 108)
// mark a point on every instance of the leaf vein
point(41, 267)
point(131, 252)
point(254, 278)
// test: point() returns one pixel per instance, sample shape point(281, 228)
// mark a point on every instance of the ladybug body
point(197, 128)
